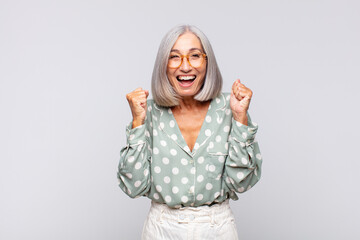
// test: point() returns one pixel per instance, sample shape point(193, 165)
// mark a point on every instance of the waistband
point(211, 214)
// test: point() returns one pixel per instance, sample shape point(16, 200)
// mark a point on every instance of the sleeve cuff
point(135, 135)
point(243, 133)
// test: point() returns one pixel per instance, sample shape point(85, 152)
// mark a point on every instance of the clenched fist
point(137, 102)
point(240, 101)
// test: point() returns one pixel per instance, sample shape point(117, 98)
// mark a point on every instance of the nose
point(185, 66)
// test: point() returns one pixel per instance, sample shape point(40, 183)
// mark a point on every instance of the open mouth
point(186, 80)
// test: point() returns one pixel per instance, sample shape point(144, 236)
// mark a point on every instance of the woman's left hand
point(239, 101)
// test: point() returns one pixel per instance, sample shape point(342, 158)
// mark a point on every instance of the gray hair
point(162, 90)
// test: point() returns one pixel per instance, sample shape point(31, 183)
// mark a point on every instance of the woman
point(192, 147)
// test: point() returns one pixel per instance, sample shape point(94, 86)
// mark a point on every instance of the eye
point(174, 57)
point(195, 55)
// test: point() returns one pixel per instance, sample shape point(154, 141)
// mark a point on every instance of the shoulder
point(222, 100)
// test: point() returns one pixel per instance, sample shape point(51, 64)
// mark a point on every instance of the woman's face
point(186, 79)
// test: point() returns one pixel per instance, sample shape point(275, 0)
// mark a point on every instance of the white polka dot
point(192, 189)
point(131, 137)
point(156, 196)
point(137, 183)
point(131, 159)
point(200, 160)
point(155, 133)
point(128, 175)
point(244, 135)
point(147, 133)
point(248, 188)
point(244, 161)
point(242, 144)
point(208, 132)
point(211, 168)
point(167, 199)
point(217, 100)
point(175, 190)
point(174, 137)
point(158, 188)
point(227, 179)
point(200, 178)
point(226, 129)
point(129, 191)
point(219, 120)
point(184, 180)
point(175, 171)
point(155, 118)
point(232, 181)
point(218, 138)
point(222, 192)
point(156, 150)
point(165, 160)
point(255, 172)
point(221, 159)
point(216, 194)
point(227, 97)
point(218, 177)
point(199, 197)
point(184, 199)
point(146, 172)
point(139, 148)
point(149, 108)
point(157, 169)
point(163, 143)
point(184, 161)
point(193, 170)
point(209, 186)
point(239, 124)
point(240, 175)
point(162, 125)
point(167, 179)
point(226, 146)
point(172, 123)
point(258, 156)
point(196, 146)
point(208, 119)
point(173, 152)
point(138, 165)
point(241, 189)
point(227, 111)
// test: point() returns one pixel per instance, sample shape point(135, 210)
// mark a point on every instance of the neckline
point(200, 134)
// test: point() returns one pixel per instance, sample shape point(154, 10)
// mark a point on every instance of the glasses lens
point(174, 60)
point(196, 59)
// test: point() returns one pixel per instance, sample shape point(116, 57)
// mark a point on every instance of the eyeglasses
point(195, 59)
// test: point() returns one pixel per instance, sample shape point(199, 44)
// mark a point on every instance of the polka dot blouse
point(157, 163)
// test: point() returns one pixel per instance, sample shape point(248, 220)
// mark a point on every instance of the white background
point(66, 66)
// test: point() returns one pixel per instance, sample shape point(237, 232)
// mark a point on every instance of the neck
point(188, 103)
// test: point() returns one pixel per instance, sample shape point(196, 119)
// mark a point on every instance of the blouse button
point(191, 161)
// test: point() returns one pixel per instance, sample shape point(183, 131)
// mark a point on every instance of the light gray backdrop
point(65, 67)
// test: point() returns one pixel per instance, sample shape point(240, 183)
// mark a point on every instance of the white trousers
point(190, 223)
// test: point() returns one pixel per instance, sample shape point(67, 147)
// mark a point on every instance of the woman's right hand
point(138, 106)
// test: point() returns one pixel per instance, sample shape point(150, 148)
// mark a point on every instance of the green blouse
point(157, 163)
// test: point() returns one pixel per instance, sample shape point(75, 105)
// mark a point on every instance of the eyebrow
point(191, 49)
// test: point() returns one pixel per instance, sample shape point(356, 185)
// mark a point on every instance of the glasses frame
point(188, 60)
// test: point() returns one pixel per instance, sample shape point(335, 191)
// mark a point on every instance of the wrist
point(137, 122)
point(241, 118)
